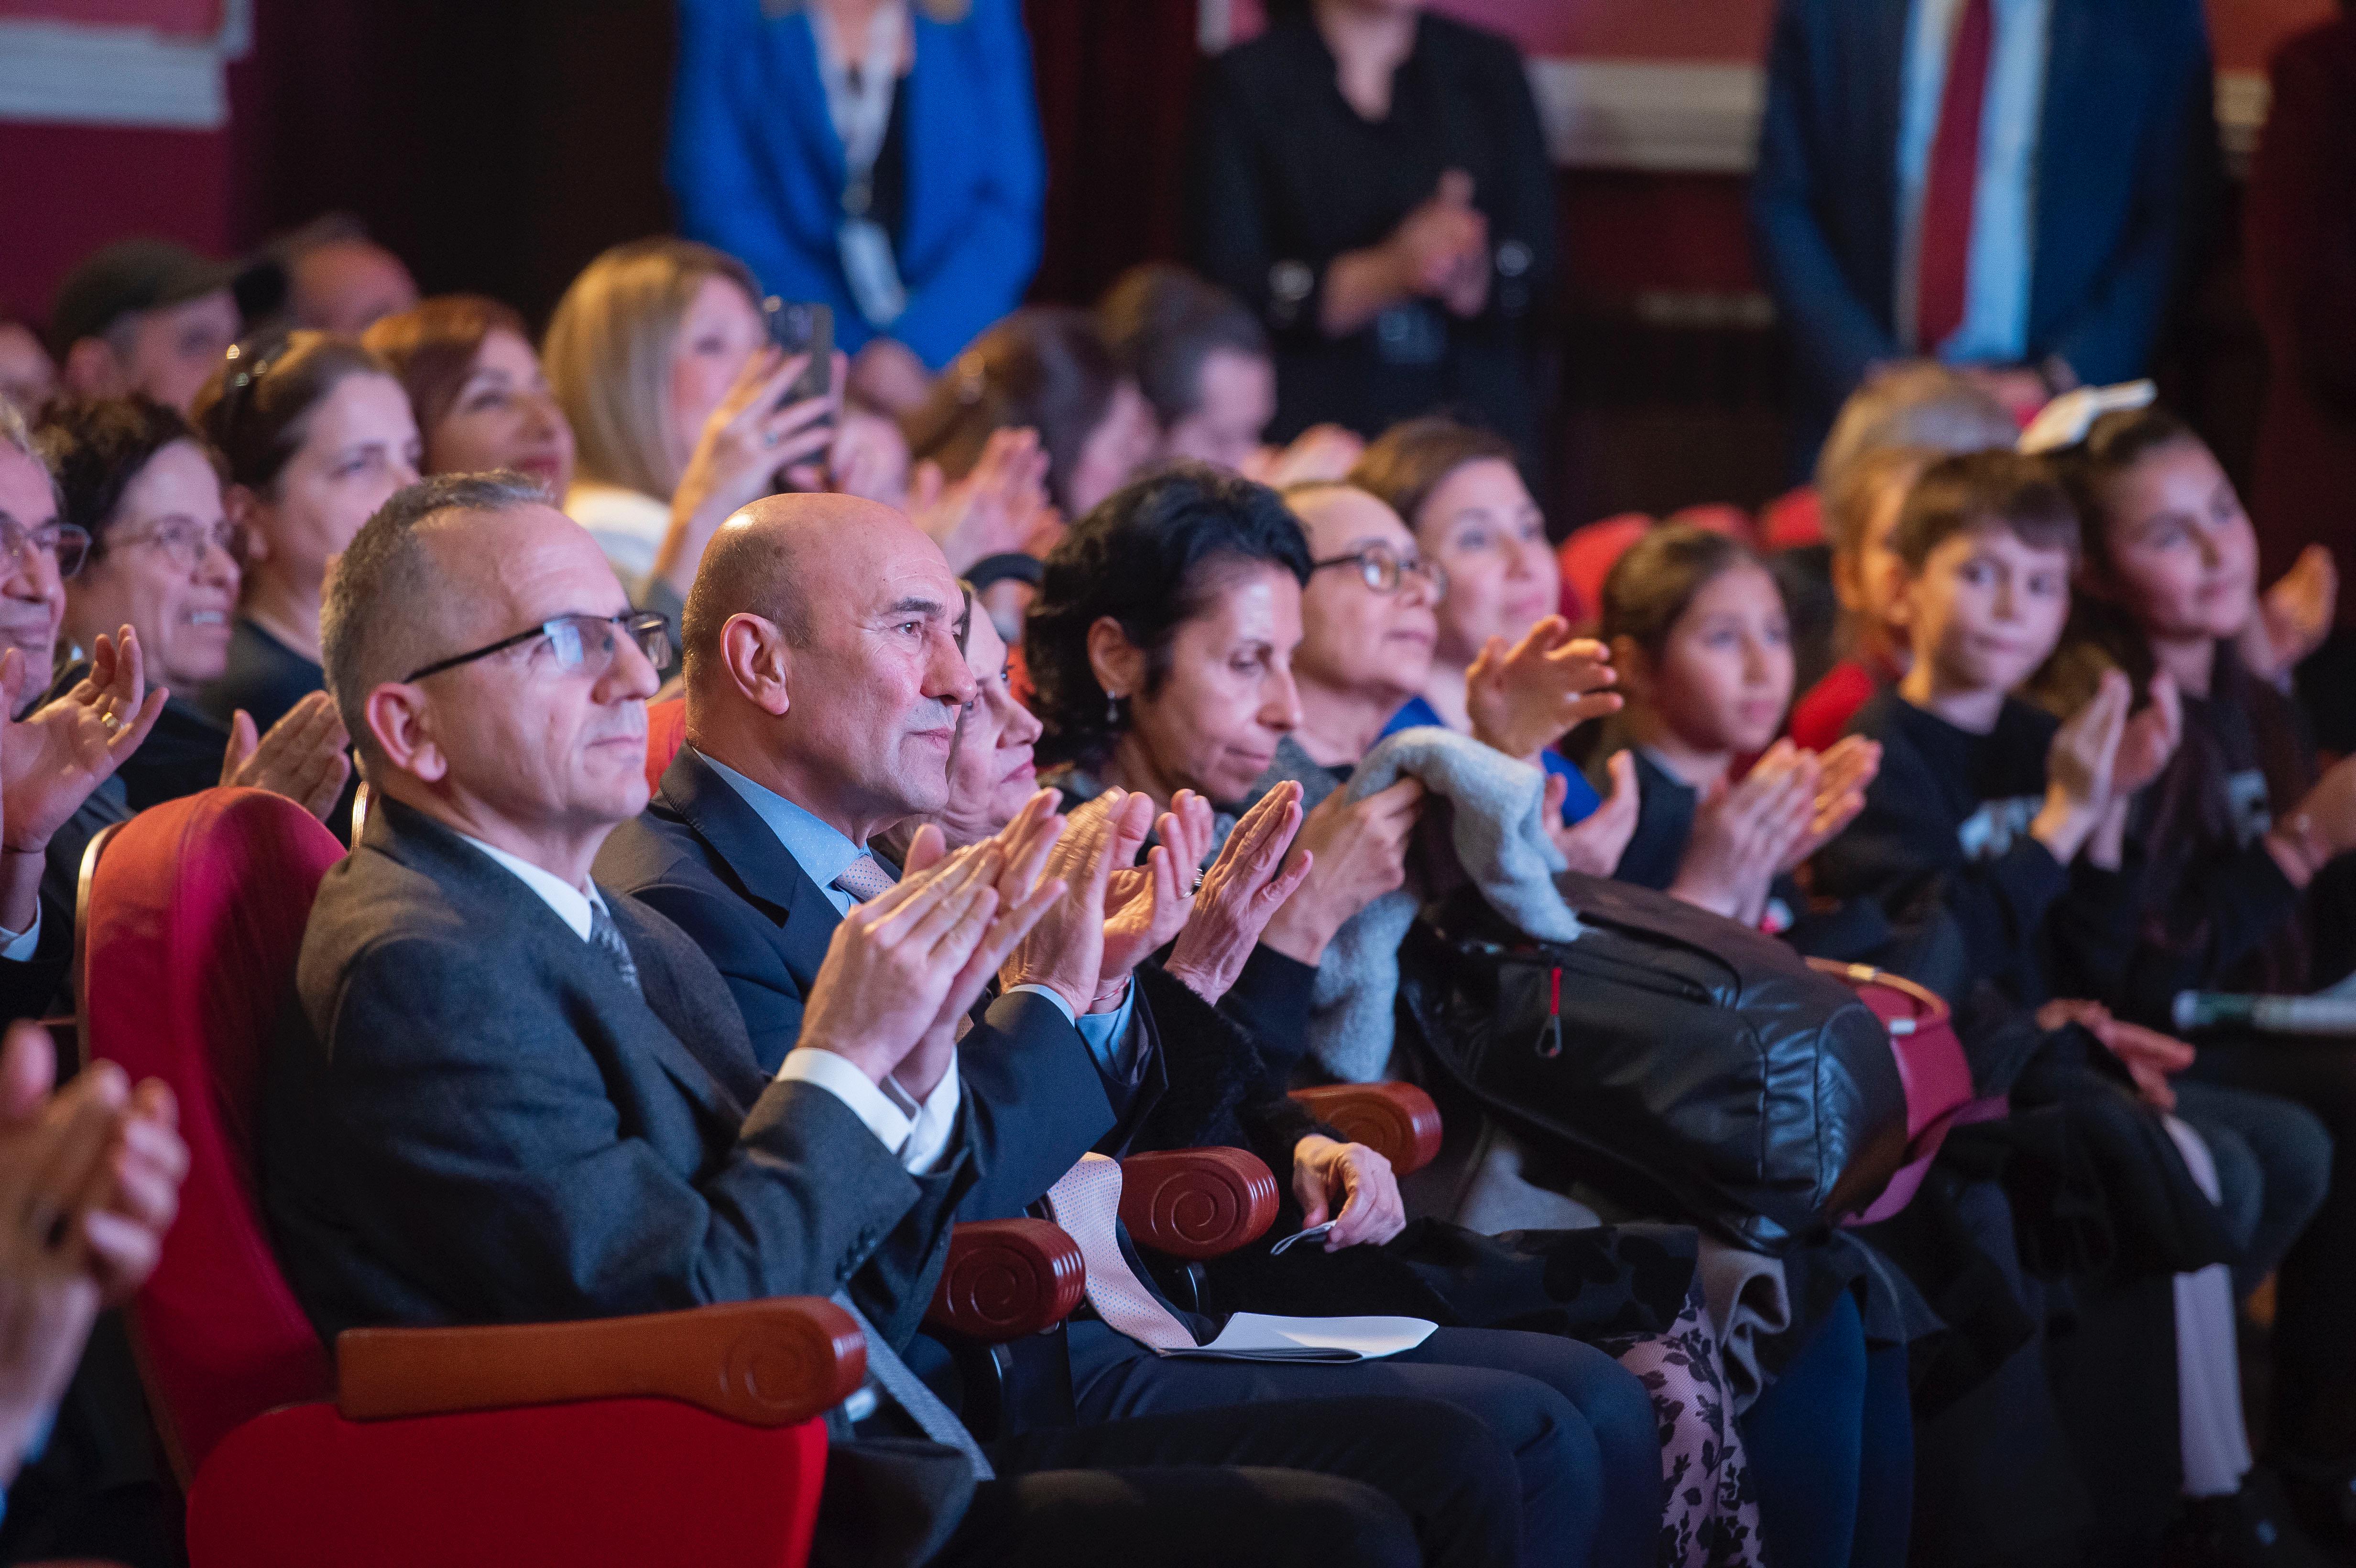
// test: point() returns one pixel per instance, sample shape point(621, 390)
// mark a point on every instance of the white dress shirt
point(917, 1132)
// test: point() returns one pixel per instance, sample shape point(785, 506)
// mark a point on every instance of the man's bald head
point(778, 557)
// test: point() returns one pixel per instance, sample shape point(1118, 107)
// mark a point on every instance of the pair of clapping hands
point(52, 759)
point(1788, 806)
point(1060, 903)
point(90, 1181)
point(2100, 756)
point(1050, 902)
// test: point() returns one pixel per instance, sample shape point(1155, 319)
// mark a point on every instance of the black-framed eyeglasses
point(1381, 567)
point(575, 642)
point(69, 543)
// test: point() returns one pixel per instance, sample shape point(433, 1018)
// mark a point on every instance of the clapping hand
point(1023, 846)
point(1349, 1184)
point(2294, 615)
point(2079, 768)
point(1595, 842)
point(1843, 775)
point(2149, 740)
point(1524, 699)
point(1240, 894)
point(1065, 952)
point(90, 1181)
point(1147, 906)
point(1744, 832)
point(51, 760)
point(891, 965)
point(302, 757)
point(995, 508)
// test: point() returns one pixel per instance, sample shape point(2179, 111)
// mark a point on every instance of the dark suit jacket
point(468, 1118)
point(2127, 167)
point(706, 860)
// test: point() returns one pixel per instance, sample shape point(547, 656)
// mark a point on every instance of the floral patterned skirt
point(1709, 1516)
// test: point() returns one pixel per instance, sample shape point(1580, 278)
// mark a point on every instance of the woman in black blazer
point(1373, 181)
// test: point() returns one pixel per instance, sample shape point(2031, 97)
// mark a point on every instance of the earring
point(1112, 711)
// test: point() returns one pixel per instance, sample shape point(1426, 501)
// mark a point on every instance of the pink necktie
point(1086, 1203)
point(1942, 261)
point(864, 879)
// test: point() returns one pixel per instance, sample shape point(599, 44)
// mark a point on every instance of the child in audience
point(2245, 876)
point(1866, 574)
point(1697, 631)
point(1984, 803)
point(2015, 825)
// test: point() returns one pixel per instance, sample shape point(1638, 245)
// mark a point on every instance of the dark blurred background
point(497, 144)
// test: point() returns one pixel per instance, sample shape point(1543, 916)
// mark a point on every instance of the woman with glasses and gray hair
point(165, 559)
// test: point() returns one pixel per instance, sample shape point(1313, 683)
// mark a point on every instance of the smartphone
point(799, 328)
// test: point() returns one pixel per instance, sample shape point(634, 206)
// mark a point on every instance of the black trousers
point(2315, 1314)
point(1367, 1482)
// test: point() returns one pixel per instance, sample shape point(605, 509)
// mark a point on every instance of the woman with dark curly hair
point(1162, 648)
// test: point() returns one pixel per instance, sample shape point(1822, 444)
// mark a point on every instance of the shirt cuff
point(836, 1075)
point(1054, 996)
point(931, 1124)
point(16, 949)
point(1106, 1033)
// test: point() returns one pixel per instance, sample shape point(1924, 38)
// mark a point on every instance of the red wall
point(70, 188)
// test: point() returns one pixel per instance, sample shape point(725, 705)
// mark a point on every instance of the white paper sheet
point(1258, 1336)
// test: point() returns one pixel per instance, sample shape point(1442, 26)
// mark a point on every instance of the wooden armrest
point(1007, 1278)
point(1196, 1203)
point(1397, 1121)
point(764, 1363)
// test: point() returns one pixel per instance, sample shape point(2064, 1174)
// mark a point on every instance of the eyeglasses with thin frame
point(1382, 568)
point(184, 541)
point(575, 642)
point(68, 543)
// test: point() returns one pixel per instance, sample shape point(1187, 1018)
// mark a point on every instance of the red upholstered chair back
point(193, 917)
point(666, 733)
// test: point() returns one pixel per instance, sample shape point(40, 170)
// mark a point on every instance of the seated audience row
point(847, 974)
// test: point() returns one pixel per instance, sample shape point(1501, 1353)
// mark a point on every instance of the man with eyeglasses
point(508, 1093)
point(37, 552)
point(52, 755)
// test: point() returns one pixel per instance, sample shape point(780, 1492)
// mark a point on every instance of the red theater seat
point(463, 1447)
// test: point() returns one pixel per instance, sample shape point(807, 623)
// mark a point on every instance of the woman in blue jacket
point(881, 157)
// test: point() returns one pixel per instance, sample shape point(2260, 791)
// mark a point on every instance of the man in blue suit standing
point(880, 156)
point(2008, 186)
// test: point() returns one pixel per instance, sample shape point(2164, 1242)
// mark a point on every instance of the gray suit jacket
point(469, 1117)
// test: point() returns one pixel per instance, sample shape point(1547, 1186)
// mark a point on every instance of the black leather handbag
point(1677, 1063)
